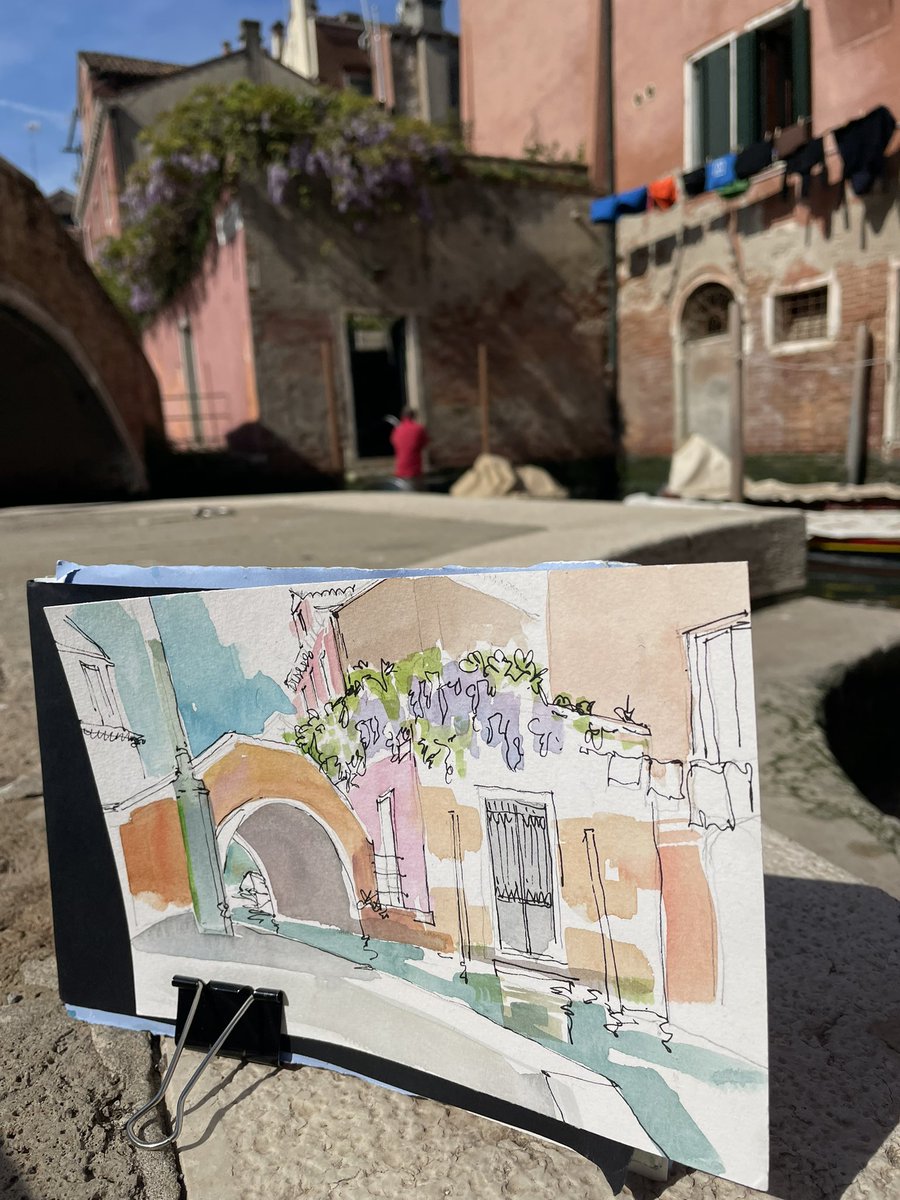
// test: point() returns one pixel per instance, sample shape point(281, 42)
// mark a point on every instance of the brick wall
point(81, 401)
point(503, 264)
point(795, 402)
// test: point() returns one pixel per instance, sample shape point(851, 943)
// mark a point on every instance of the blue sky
point(38, 47)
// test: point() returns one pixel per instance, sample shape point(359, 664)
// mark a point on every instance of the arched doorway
point(706, 365)
point(282, 862)
point(59, 439)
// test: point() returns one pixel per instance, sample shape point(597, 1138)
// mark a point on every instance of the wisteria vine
point(331, 147)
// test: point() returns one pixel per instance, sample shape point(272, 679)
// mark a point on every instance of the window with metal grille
point(523, 874)
point(802, 316)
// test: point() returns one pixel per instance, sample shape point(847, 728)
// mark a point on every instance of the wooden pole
point(737, 404)
point(858, 430)
point(334, 425)
point(484, 399)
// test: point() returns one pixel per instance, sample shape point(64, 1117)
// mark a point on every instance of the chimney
point(226, 47)
point(250, 34)
point(421, 16)
point(277, 40)
point(301, 42)
point(252, 43)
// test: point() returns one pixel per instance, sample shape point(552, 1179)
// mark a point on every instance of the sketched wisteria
point(440, 712)
point(334, 148)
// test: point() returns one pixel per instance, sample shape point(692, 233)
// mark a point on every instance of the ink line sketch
point(503, 828)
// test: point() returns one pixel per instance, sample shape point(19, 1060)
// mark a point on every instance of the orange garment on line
point(663, 193)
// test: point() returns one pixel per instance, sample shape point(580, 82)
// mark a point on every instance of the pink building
point(201, 351)
point(532, 79)
point(806, 265)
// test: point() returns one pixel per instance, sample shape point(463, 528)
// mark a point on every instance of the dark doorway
point(378, 373)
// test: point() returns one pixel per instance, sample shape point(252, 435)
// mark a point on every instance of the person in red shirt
point(409, 438)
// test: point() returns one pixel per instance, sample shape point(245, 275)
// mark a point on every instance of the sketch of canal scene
point(499, 827)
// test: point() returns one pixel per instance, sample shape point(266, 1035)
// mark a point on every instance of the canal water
point(854, 578)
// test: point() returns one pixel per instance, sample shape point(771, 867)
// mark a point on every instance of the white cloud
point(30, 110)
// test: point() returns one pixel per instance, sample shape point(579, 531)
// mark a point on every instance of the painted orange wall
point(855, 50)
point(154, 855)
point(692, 947)
point(526, 74)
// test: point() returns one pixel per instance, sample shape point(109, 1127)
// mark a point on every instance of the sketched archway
point(249, 774)
point(235, 826)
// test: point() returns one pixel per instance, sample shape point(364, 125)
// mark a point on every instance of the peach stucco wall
point(526, 75)
point(855, 49)
point(219, 313)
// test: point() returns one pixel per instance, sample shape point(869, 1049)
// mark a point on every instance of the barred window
point(802, 316)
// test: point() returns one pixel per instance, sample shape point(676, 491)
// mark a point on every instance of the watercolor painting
point(503, 828)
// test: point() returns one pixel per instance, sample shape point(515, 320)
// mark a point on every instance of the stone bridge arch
point(305, 866)
point(279, 800)
point(82, 404)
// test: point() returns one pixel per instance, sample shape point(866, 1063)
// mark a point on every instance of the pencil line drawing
point(434, 808)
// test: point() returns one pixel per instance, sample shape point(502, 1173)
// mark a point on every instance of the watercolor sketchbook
point(495, 834)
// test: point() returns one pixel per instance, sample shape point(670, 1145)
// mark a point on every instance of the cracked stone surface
point(303, 1132)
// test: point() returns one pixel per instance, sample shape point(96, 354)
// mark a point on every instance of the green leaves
point(504, 672)
point(335, 147)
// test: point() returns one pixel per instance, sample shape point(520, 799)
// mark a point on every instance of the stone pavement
point(834, 1011)
point(66, 1088)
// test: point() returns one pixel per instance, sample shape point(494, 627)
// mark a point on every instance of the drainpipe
point(609, 132)
point(609, 179)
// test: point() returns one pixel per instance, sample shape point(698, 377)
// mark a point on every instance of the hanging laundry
point(694, 182)
point(753, 159)
point(604, 210)
point(720, 172)
point(789, 140)
point(802, 162)
point(733, 189)
point(662, 193)
point(634, 201)
point(608, 209)
point(862, 144)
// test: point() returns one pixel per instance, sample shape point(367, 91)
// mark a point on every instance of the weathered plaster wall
point(502, 264)
point(795, 402)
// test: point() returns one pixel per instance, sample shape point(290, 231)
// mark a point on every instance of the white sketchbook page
point(526, 858)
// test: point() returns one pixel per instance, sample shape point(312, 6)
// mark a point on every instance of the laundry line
point(831, 368)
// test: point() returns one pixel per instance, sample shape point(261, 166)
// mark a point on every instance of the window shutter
point(747, 69)
point(713, 76)
point(800, 42)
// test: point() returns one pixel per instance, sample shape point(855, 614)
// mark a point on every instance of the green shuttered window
point(755, 83)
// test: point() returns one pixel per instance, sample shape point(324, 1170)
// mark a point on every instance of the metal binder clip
point(199, 1006)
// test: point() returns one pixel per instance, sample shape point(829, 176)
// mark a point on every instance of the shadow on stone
point(834, 1034)
point(853, 716)
point(834, 990)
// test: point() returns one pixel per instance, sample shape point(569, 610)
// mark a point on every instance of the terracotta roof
point(120, 64)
